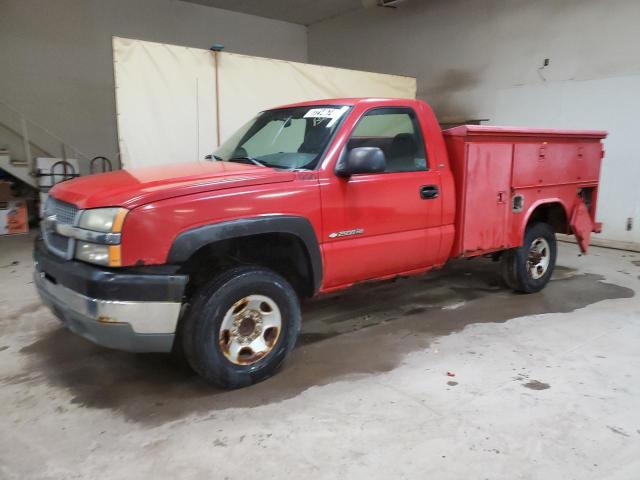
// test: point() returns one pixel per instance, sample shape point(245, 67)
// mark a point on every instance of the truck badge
point(347, 233)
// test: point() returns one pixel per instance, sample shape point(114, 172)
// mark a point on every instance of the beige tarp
point(166, 95)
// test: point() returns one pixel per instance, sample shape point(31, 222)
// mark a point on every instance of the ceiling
point(304, 12)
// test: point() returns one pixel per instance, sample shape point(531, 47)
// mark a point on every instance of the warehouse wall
point(56, 59)
point(482, 59)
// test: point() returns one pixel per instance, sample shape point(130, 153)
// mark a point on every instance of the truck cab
point(211, 258)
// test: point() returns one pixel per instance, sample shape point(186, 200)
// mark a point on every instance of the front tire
point(528, 269)
point(241, 326)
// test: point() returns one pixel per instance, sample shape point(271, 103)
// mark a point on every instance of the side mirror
point(361, 160)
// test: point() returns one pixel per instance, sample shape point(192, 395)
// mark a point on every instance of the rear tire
point(241, 326)
point(528, 269)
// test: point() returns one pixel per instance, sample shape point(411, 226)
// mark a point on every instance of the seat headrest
point(313, 140)
point(403, 145)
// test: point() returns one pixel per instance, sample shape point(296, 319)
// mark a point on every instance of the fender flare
point(190, 241)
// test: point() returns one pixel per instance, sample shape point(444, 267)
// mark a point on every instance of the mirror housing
point(361, 160)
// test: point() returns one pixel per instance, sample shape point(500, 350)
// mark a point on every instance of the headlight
point(103, 248)
point(107, 255)
point(103, 219)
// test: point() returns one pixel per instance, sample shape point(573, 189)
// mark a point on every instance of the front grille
point(63, 213)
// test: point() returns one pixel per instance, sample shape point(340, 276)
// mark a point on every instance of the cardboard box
point(13, 217)
point(6, 193)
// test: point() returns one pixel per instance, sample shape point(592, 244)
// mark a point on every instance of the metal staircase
point(25, 146)
point(17, 168)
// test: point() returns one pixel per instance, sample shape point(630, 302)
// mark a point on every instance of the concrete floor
point(545, 386)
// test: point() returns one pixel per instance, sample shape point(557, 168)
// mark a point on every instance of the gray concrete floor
point(545, 386)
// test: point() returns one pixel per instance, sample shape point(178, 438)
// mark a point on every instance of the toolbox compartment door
point(486, 212)
point(544, 163)
point(582, 225)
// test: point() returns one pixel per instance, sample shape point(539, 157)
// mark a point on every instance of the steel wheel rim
point(539, 258)
point(250, 329)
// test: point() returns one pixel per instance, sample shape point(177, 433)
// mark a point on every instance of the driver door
point(383, 224)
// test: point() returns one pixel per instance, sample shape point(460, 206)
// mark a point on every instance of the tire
point(521, 274)
point(212, 351)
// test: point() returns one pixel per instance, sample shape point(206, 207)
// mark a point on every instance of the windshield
point(291, 138)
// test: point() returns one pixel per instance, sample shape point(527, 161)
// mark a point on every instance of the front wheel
point(240, 326)
point(528, 269)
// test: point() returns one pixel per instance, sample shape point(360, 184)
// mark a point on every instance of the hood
point(132, 188)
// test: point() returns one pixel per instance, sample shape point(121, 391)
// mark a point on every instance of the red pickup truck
point(212, 258)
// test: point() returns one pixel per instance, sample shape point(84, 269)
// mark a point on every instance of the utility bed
point(500, 172)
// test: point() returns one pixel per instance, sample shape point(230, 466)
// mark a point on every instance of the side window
point(397, 133)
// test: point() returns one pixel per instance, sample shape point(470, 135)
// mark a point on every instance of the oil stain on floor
point(536, 385)
point(366, 329)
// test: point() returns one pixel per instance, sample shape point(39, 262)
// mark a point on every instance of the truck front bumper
point(122, 309)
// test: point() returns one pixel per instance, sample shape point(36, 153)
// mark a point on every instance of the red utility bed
point(500, 173)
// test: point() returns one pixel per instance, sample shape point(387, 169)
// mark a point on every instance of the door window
point(397, 133)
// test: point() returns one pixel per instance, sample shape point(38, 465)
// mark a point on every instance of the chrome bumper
point(124, 325)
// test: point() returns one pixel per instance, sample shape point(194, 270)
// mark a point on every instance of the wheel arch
point(277, 228)
point(552, 211)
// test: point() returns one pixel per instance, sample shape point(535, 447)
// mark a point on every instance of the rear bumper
point(136, 312)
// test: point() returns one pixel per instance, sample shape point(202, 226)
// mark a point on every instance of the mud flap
point(582, 225)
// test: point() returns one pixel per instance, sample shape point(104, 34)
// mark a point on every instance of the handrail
point(66, 148)
point(18, 134)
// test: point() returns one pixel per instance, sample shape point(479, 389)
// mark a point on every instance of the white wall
point(480, 59)
point(56, 61)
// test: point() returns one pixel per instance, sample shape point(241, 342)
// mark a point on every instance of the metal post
point(197, 121)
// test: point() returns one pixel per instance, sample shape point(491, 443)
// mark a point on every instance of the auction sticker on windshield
point(321, 113)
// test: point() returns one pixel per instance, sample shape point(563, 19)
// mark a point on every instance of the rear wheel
point(529, 268)
point(240, 326)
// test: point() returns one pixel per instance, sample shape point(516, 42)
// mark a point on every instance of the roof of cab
point(343, 101)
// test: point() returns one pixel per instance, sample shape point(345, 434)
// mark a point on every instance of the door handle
point(428, 192)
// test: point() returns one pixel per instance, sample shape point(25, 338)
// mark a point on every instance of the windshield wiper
point(250, 159)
